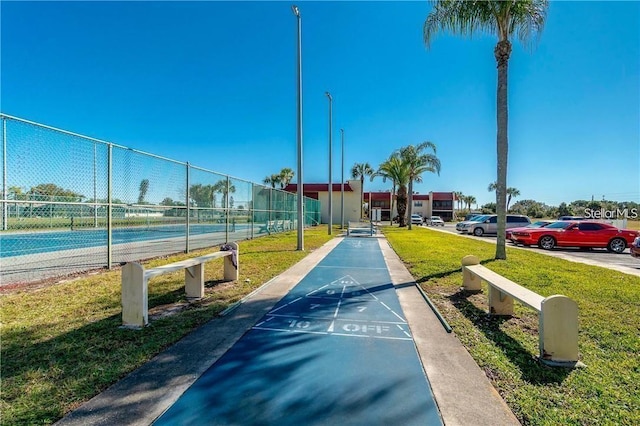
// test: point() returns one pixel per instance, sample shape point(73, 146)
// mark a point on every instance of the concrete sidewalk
point(462, 392)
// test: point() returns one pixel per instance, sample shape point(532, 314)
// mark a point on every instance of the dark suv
point(490, 224)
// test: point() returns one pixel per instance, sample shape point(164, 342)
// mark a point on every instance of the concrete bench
point(135, 279)
point(558, 315)
point(361, 228)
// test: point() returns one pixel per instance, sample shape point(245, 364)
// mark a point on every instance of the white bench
point(558, 315)
point(135, 279)
point(361, 228)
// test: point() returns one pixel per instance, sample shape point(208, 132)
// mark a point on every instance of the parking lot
point(622, 262)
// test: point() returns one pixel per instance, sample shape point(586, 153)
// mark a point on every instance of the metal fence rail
point(72, 203)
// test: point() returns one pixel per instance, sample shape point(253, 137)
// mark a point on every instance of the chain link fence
point(72, 203)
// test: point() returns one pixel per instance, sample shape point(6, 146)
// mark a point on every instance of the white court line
point(284, 306)
point(392, 311)
point(307, 317)
point(403, 330)
point(260, 323)
point(316, 290)
point(349, 267)
point(331, 334)
point(335, 313)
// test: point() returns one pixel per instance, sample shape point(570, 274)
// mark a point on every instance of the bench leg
point(231, 273)
point(499, 302)
point(470, 282)
point(194, 281)
point(559, 330)
point(135, 301)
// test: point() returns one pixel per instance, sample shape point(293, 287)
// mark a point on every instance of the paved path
point(365, 371)
point(336, 350)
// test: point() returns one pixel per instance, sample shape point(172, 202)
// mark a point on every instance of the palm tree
point(524, 19)
point(221, 187)
point(286, 176)
point(272, 180)
point(511, 192)
point(418, 163)
point(468, 200)
point(458, 195)
point(360, 170)
point(144, 187)
point(398, 171)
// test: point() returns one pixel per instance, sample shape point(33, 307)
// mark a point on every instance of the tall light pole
point(300, 246)
point(342, 181)
point(330, 179)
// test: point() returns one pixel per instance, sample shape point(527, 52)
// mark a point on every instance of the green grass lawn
point(606, 392)
point(61, 344)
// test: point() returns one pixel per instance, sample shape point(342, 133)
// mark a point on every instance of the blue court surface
point(335, 351)
point(21, 244)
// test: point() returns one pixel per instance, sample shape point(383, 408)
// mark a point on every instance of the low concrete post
point(470, 282)
point(135, 308)
point(499, 303)
point(231, 271)
point(558, 325)
point(194, 281)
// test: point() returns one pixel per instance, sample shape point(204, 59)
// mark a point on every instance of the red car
point(635, 248)
point(576, 234)
point(538, 224)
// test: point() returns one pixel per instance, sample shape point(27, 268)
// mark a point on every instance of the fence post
point(95, 185)
point(251, 203)
point(188, 204)
point(109, 207)
point(227, 216)
point(4, 175)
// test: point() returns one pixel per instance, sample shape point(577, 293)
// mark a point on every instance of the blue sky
point(214, 83)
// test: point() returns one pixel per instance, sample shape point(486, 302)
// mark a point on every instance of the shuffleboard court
point(335, 350)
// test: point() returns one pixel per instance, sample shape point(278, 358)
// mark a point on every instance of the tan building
point(435, 203)
point(320, 192)
point(432, 204)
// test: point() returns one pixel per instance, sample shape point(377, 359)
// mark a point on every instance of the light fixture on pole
point(330, 178)
point(300, 200)
point(342, 181)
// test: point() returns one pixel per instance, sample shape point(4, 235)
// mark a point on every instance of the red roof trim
point(318, 187)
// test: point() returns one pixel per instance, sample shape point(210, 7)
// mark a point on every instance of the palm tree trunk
point(410, 202)
point(401, 205)
point(502, 52)
point(362, 197)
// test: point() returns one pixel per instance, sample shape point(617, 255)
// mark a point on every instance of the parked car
point(635, 248)
point(416, 219)
point(471, 216)
point(538, 224)
point(489, 224)
point(435, 221)
point(572, 218)
point(465, 224)
point(577, 234)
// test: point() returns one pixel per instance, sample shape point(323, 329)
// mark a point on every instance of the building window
point(443, 205)
point(417, 204)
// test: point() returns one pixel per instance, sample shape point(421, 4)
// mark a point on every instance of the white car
point(416, 219)
point(436, 221)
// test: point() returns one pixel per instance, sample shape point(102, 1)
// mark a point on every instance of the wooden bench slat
point(507, 286)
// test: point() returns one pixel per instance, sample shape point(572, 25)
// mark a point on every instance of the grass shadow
point(528, 364)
